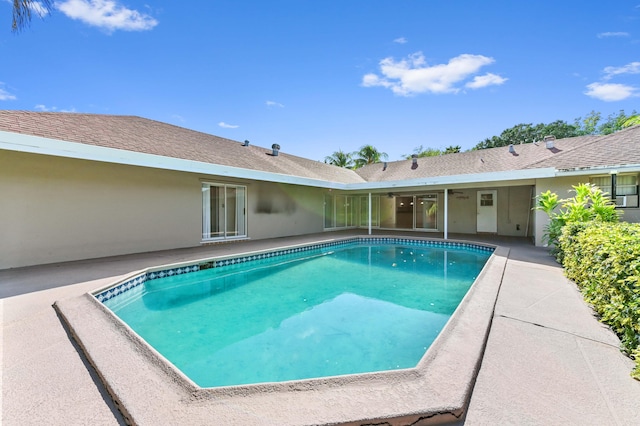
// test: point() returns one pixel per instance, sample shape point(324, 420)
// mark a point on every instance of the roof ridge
point(95, 114)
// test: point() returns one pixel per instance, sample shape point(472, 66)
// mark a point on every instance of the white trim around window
point(224, 211)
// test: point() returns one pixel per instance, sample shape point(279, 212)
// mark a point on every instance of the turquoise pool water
point(323, 312)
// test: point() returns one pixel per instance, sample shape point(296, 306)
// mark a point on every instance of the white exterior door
point(487, 211)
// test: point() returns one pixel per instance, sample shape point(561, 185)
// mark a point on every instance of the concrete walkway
point(547, 360)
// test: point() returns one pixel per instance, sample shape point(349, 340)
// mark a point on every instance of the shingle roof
point(153, 137)
point(480, 161)
point(614, 150)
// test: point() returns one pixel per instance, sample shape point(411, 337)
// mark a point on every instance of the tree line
point(592, 124)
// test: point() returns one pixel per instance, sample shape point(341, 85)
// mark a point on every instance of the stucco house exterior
point(78, 186)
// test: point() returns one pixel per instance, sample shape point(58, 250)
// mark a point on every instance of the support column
point(446, 213)
point(369, 213)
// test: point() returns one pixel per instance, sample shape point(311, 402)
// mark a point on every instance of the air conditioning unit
point(627, 200)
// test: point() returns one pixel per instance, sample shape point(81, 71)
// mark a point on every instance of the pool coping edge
point(453, 359)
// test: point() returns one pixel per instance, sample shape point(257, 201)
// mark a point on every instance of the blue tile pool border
point(133, 283)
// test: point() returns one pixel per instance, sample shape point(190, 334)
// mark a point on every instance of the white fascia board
point(474, 178)
point(600, 170)
point(45, 146)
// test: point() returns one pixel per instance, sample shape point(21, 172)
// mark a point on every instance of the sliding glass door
point(223, 211)
point(427, 212)
point(338, 211)
point(364, 211)
point(411, 212)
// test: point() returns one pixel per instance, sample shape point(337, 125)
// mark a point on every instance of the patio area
point(547, 359)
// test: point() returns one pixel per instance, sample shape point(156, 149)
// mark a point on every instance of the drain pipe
point(531, 210)
point(446, 213)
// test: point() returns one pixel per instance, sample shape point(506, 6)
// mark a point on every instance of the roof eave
point(472, 178)
point(46, 146)
point(40, 145)
point(582, 171)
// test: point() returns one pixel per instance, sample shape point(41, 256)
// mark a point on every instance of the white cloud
point(613, 34)
point(106, 14)
point(44, 108)
point(6, 96)
point(630, 68)
point(227, 126)
point(371, 80)
point(274, 104)
point(488, 79)
point(400, 40)
point(412, 75)
point(610, 92)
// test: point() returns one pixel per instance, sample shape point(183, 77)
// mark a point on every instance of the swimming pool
point(149, 390)
point(356, 307)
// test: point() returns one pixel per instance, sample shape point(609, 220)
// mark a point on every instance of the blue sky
point(319, 76)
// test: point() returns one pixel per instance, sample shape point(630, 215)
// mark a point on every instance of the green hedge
point(603, 259)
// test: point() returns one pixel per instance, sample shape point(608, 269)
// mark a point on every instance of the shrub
point(601, 256)
point(603, 259)
point(589, 204)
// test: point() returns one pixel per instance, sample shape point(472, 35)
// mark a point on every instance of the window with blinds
point(626, 188)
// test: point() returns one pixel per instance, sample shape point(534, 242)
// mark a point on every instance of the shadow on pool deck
point(547, 360)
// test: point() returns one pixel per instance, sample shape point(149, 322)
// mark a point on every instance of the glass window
point(341, 211)
point(338, 211)
point(486, 200)
point(602, 182)
point(427, 211)
point(349, 212)
point(375, 210)
point(223, 211)
point(626, 188)
point(329, 211)
point(627, 185)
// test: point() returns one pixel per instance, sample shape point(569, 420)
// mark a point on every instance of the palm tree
point(422, 152)
point(22, 10)
point(632, 120)
point(452, 149)
point(340, 159)
point(368, 154)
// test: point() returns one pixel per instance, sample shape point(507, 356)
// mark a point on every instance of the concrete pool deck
point(547, 360)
